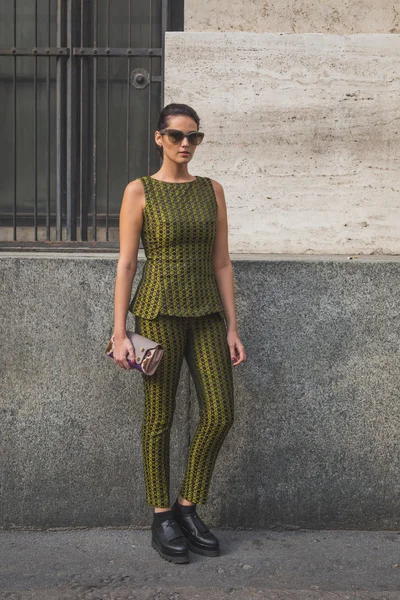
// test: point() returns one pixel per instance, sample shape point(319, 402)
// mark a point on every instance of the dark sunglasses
point(175, 136)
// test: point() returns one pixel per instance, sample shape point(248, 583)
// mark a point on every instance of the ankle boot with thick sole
point(199, 538)
point(169, 540)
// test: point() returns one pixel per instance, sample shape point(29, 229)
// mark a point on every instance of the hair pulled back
point(172, 110)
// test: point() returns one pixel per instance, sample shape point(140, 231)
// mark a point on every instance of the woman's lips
point(183, 152)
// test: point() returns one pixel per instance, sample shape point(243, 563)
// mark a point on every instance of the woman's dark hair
point(172, 110)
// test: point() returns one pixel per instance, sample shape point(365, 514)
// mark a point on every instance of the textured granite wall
point(315, 441)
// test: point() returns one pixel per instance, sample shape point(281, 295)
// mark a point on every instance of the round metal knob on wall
point(140, 78)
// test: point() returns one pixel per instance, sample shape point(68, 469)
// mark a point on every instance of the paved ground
point(120, 564)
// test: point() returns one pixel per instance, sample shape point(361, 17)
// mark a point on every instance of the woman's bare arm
point(224, 276)
point(130, 226)
point(222, 261)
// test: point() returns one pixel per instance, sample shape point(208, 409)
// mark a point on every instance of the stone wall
point(293, 16)
point(315, 437)
point(302, 131)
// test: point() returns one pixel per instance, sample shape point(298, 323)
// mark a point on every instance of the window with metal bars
point(81, 87)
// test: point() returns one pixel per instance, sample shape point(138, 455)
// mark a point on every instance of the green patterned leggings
point(202, 341)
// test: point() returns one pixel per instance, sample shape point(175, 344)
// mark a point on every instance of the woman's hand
point(122, 347)
point(238, 353)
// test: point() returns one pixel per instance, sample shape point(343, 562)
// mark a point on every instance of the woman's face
point(183, 151)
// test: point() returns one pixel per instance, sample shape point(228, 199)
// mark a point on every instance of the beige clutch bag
point(148, 352)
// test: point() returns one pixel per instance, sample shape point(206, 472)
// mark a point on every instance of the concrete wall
point(293, 16)
point(317, 414)
point(302, 130)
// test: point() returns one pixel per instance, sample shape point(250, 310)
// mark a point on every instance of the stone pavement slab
point(120, 564)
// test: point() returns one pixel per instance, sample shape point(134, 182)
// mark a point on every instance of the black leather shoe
point(169, 541)
point(199, 538)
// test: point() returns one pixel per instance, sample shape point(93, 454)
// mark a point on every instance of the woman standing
point(184, 301)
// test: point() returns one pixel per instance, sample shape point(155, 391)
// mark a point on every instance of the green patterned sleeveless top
point(178, 233)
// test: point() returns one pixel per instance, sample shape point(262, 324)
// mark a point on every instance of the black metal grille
point(81, 86)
